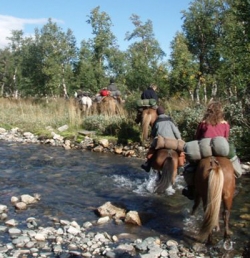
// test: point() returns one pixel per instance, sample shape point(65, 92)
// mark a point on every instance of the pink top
point(209, 131)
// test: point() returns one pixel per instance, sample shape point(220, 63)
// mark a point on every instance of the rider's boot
point(146, 166)
point(189, 192)
point(180, 170)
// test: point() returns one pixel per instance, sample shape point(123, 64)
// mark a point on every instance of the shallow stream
point(73, 183)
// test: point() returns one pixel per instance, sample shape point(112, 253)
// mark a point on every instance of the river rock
point(14, 199)
point(104, 143)
point(133, 218)
point(11, 222)
point(14, 231)
point(3, 216)
point(108, 209)
point(118, 149)
point(40, 237)
point(63, 128)
point(98, 148)
point(3, 208)
point(28, 199)
point(28, 135)
point(21, 206)
point(245, 216)
point(67, 145)
point(2, 130)
point(103, 220)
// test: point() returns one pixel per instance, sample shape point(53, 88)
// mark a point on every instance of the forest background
point(209, 59)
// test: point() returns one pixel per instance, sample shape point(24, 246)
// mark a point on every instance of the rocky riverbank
point(68, 238)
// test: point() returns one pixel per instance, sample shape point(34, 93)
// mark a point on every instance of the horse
point(84, 103)
point(109, 106)
point(149, 115)
point(165, 163)
point(214, 184)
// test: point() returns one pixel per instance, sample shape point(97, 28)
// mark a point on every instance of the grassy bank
point(35, 115)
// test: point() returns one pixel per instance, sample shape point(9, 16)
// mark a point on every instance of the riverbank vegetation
point(210, 58)
point(38, 116)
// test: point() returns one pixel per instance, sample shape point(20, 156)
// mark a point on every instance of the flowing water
point(72, 184)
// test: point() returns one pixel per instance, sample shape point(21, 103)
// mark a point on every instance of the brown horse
point(108, 106)
point(214, 183)
point(149, 115)
point(165, 161)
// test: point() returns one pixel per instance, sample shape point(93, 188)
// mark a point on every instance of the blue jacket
point(149, 93)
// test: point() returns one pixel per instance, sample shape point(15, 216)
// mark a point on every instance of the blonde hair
point(153, 86)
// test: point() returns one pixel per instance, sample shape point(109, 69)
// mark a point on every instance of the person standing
point(165, 127)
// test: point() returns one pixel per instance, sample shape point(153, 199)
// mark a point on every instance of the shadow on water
point(72, 184)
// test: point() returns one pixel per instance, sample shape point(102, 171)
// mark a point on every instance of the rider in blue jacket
point(150, 93)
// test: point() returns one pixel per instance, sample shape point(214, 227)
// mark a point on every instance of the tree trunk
point(214, 89)
point(205, 93)
point(197, 92)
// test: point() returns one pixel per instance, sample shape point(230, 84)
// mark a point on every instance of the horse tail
point(166, 178)
point(145, 125)
point(212, 209)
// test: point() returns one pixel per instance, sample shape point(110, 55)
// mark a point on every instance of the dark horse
point(214, 183)
point(165, 162)
point(149, 115)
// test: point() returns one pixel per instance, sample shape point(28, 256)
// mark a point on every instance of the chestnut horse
point(214, 183)
point(165, 162)
point(108, 106)
point(149, 115)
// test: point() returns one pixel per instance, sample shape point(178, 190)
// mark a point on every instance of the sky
point(26, 15)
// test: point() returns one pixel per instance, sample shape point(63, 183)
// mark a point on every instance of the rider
point(149, 93)
point(114, 92)
point(165, 127)
point(211, 126)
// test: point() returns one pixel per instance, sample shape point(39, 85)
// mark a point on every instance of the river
point(73, 183)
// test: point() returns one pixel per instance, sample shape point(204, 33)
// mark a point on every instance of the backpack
point(104, 92)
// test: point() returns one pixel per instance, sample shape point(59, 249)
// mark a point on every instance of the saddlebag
point(196, 150)
point(146, 103)
point(169, 143)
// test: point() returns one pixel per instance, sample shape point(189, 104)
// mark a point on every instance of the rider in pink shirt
point(205, 130)
point(212, 125)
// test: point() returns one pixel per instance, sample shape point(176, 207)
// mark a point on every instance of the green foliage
point(188, 120)
point(122, 128)
point(128, 132)
point(104, 125)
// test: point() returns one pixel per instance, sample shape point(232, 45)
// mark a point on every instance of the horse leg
point(226, 216)
point(197, 201)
